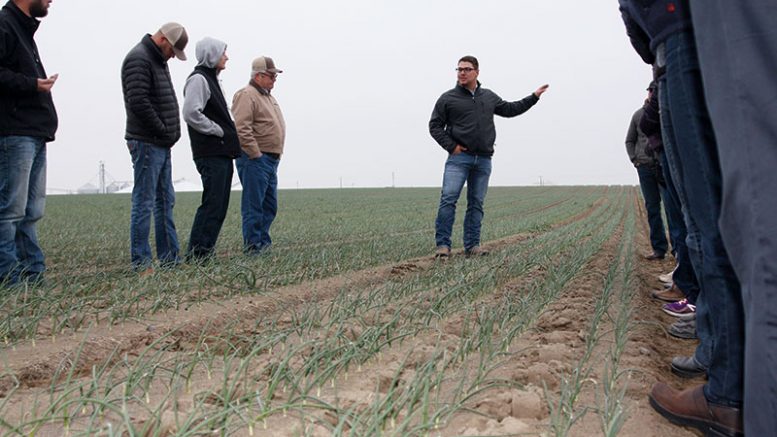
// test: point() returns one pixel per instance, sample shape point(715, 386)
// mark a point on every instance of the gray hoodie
point(196, 92)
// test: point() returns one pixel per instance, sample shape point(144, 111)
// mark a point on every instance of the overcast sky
point(361, 78)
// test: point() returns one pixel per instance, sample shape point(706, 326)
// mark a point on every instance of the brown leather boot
point(672, 294)
point(690, 408)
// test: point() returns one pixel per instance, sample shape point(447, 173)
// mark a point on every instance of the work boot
point(146, 272)
point(655, 256)
point(690, 408)
point(671, 295)
point(442, 252)
point(476, 251)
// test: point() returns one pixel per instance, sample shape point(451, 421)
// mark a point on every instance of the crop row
point(294, 364)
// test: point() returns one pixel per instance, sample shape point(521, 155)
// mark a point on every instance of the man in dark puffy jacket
point(28, 121)
point(462, 123)
point(153, 127)
point(662, 33)
point(214, 145)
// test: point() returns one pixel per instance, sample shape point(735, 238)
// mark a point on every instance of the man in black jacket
point(28, 121)
point(153, 127)
point(214, 145)
point(462, 123)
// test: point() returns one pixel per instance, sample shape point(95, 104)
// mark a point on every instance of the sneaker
point(688, 367)
point(476, 251)
point(667, 278)
point(679, 308)
point(671, 295)
point(442, 252)
point(684, 329)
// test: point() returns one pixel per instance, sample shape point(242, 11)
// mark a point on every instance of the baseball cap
point(176, 34)
point(264, 63)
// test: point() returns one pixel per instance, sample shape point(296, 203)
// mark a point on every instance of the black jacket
point(23, 110)
point(149, 98)
point(650, 124)
point(650, 22)
point(216, 110)
point(459, 117)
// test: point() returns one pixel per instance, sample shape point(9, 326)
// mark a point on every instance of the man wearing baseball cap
point(262, 133)
point(153, 127)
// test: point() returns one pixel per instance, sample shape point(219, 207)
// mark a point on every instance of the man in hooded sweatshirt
point(214, 144)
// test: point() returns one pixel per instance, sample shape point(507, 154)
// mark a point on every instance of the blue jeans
point(737, 48)
point(216, 174)
point(153, 191)
point(259, 203)
point(475, 171)
point(684, 276)
point(22, 201)
point(651, 191)
point(690, 146)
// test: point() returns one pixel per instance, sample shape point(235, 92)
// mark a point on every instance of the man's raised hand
point(541, 90)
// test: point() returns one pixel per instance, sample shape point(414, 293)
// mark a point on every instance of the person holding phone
point(28, 120)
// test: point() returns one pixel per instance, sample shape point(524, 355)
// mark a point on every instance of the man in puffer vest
point(214, 145)
point(153, 127)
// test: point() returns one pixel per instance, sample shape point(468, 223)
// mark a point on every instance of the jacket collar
point(261, 90)
point(467, 90)
point(28, 23)
point(149, 44)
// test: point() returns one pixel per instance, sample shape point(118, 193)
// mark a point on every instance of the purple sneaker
point(679, 309)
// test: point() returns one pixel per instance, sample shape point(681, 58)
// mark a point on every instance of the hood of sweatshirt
point(209, 51)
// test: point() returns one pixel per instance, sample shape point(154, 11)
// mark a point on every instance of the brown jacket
point(259, 121)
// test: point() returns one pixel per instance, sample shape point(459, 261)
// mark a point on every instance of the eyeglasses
point(465, 69)
point(272, 76)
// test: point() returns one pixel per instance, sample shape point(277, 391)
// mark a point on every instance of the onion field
point(348, 326)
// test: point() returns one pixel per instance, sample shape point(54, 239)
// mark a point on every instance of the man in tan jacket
point(262, 132)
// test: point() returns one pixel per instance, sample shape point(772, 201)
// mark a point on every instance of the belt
point(272, 155)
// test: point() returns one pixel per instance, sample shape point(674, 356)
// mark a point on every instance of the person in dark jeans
point(684, 276)
point(261, 129)
point(650, 182)
point(737, 48)
point(691, 149)
point(153, 127)
point(214, 145)
point(462, 123)
point(28, 120)
point(662, 33)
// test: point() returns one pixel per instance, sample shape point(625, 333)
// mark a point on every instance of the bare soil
point(537, 361)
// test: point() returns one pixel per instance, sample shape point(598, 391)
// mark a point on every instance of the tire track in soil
point(34, 363)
